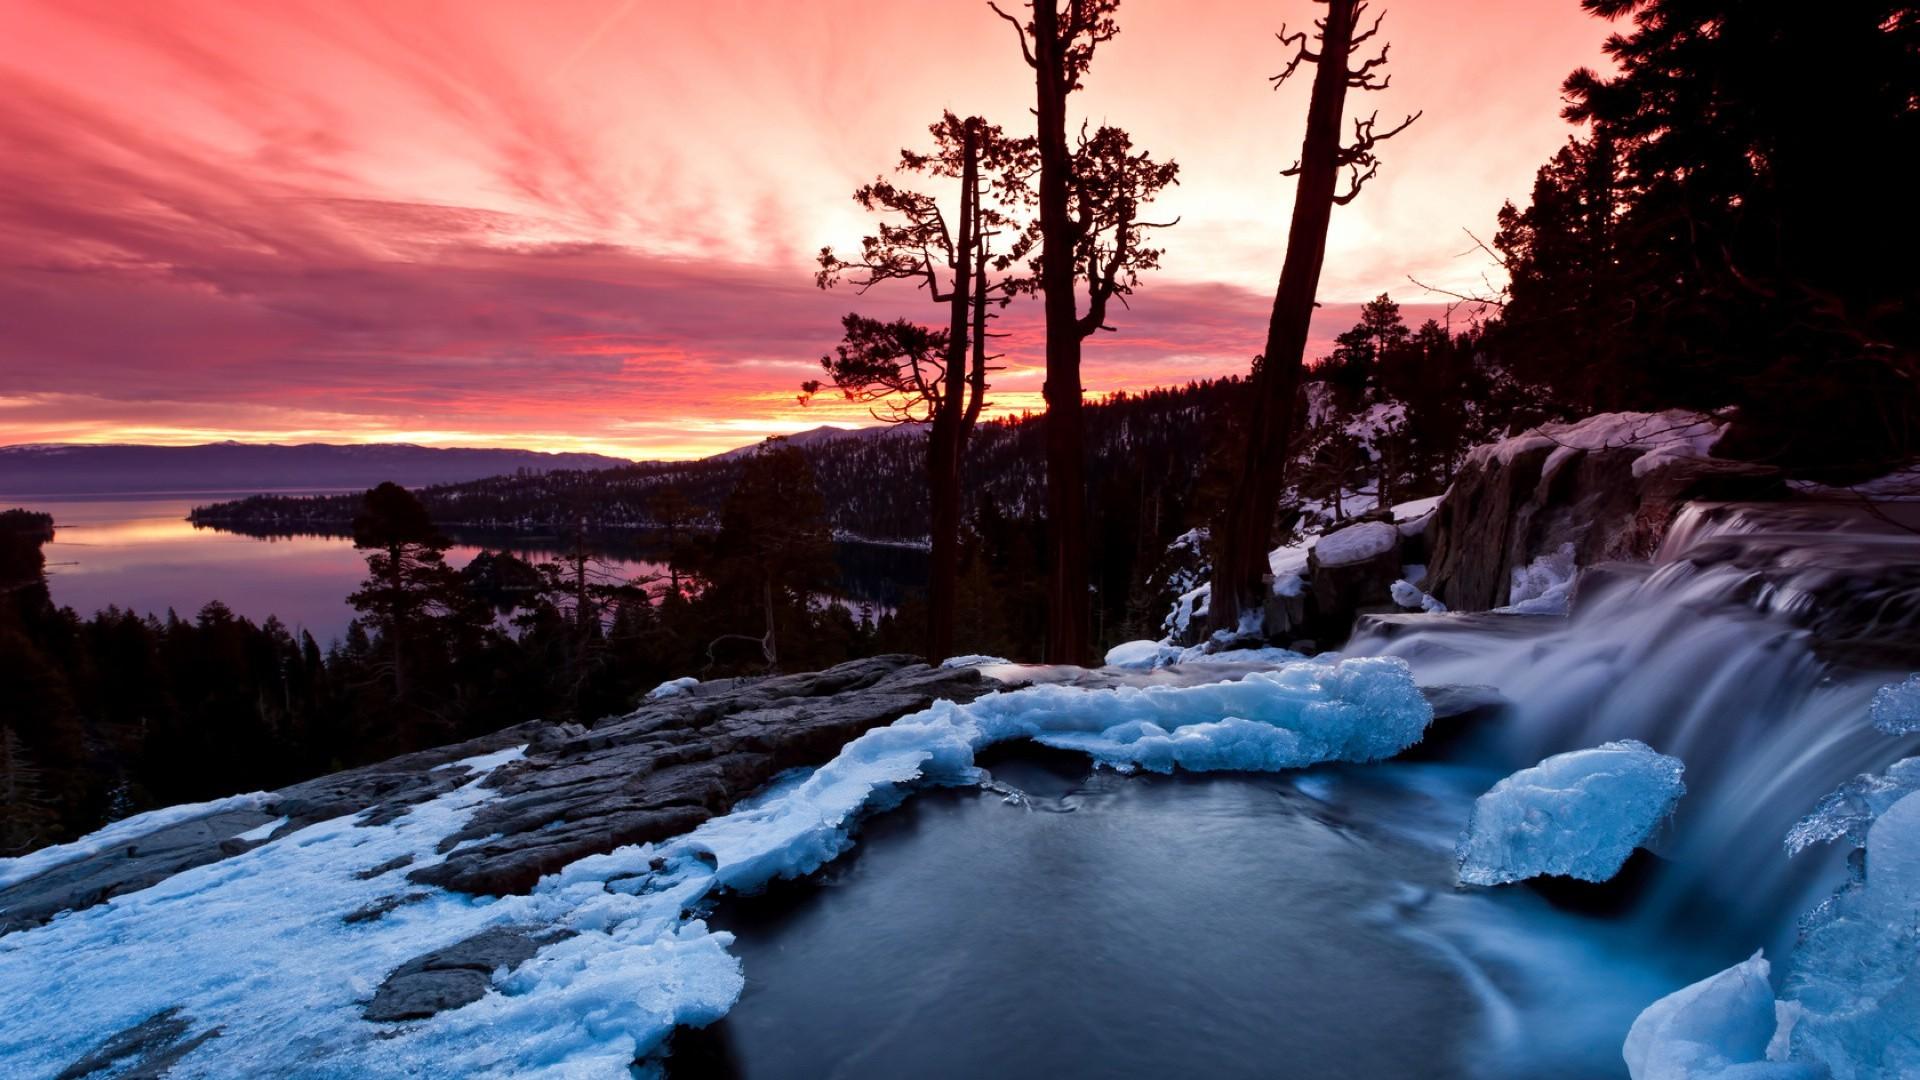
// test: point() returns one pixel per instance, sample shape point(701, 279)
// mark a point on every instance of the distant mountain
point(66, 469)
point(825, 433)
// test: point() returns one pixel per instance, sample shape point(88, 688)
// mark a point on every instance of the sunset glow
point(589, 224)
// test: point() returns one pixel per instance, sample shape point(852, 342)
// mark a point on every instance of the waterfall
point(1749, 647)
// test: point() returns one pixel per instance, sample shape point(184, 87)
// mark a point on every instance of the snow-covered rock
point(1896, 707)
point(1578, 814)
point(1356, 543)
point(1716, 1029)
point(1608, 486)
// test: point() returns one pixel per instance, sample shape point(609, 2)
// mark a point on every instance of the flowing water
point(1306, 924)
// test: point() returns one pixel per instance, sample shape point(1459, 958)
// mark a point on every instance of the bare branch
point(1358, 11)
point(1019, 31)
point(1297, 39)
point(1358, 179)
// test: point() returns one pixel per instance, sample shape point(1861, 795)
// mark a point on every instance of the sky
point(591, 224)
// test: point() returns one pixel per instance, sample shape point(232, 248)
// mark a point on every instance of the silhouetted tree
point(1735, 227)
point(774, 551)
point(408, 583)
point(1089, 232)
point(906, 373)
point(1245, 532)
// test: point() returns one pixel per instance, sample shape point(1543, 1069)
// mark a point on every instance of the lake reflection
point(143, 554)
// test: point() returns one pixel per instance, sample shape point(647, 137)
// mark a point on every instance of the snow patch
point(1663, 438)
point(673, 688)
point(1356, 543)
point(22, 867)
point(1408, 595)
point(1578, 814)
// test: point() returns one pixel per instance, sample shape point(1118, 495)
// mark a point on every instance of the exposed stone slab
point(457, 975)
point(673, 764)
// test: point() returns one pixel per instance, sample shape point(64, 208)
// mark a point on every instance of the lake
point(141, 553)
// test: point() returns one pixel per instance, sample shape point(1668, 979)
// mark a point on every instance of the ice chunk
point(1356, 543)
point(1720, 1027)
point(1302, 714)
point(673, 688)
point(1578, 814)
point(1896, 707)
point(1848, 810)
point(1855, 977)
point(1543, 586)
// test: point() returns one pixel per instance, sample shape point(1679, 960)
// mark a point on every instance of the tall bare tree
point(906, 373)
point(1088, 233)
point(1244, 533)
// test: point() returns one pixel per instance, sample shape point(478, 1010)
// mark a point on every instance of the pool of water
point(1076, 923)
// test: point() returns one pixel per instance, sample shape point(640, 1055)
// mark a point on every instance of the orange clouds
point(588, 224)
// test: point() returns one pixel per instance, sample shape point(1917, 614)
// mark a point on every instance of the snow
point(1142, 654)
point(1288, 562)
point(1855, 982)
point(34, 863)
point(1719, 1027)
point(1578, 814)
point(974, 660)
point(1356, 544)
point(1900, 485)
point(1543, 586)
point(1663, 438)
point(673, 688)
point(1850, 809)
point(1408, 595)
point(260, 833)
point(1896, 707)
point(1147, 655)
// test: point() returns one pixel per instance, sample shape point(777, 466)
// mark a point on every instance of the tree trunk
point(947, 440)
point(1240, 564)
point(1067, 610)
point(396, 616)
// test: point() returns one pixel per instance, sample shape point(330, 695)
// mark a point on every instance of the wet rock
point(669, 766)
point(1507, 508)
point(457, 975)
point(125, 868)
point(145, 1051)
point(380, 907)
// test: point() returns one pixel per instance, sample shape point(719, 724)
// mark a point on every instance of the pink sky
point(588, 224)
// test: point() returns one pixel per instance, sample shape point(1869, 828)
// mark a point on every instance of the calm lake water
point(141, 553)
